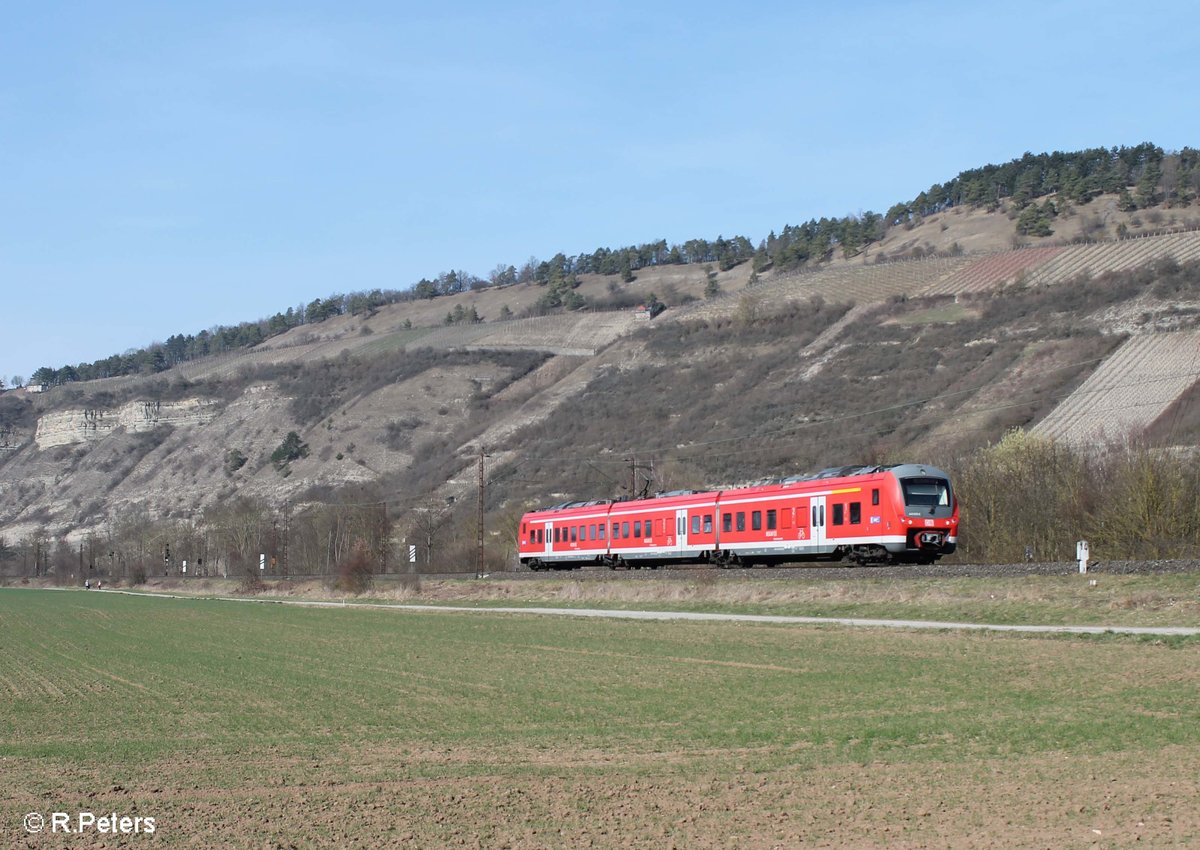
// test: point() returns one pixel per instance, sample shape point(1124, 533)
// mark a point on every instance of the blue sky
point(172, 166)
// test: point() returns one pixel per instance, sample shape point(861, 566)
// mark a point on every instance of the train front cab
point(930, 513)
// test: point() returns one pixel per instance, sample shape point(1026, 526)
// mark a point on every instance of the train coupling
point(931, 539)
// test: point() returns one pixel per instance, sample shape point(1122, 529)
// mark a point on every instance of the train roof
point(831, 472)
point(583, 504)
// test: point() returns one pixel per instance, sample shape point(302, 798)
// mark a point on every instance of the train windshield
point(926, 492)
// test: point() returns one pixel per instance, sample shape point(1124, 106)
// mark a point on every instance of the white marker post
point(1081, 553)
point(262, 562)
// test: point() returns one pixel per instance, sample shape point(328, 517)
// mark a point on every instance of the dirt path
point(1160, 631)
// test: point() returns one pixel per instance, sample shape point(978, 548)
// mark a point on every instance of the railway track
point(835, 572)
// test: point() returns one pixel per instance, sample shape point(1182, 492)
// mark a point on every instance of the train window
point(696, 524)
point(556, 535)
point(574, 536)
point(592, 531)
point(727, 522)
point(771, 520)
point(741, 520)
point(708, 523)
point(875, 496)
point(625, 529)
point(926, 492)
point(756, 520)
point(637, 529)
point(601, 531)
point(839, 514)
point(855, 513)
point(539, 536)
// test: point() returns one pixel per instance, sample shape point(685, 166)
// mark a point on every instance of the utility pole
point(385, 536)
point(287, 519)
point(479, 516)
point(429, 540)
point(634, 466)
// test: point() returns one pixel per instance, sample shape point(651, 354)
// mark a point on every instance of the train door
point(681, 529)
point(549, 537)
point(817, 515)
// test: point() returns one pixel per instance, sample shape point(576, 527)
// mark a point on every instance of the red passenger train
point(874, 514)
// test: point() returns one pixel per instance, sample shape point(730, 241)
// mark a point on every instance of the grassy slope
point(229, 721)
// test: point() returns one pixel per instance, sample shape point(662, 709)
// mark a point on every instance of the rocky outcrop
point(82, 425)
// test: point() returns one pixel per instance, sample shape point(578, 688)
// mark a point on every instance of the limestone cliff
point(82, 425)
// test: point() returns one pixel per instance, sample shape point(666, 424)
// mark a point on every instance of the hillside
point(859, 360)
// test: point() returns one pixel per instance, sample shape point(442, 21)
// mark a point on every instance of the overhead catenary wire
point(677, 451)
point(667, 450)
point(683, 452)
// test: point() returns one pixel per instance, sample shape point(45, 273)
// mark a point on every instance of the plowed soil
point(525, 800)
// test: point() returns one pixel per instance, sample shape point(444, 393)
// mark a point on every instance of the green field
point(237, 724)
